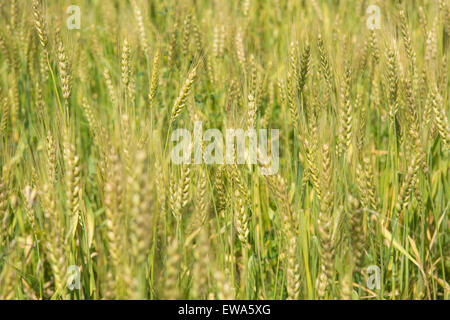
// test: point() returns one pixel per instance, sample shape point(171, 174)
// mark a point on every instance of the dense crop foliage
point(93, 207)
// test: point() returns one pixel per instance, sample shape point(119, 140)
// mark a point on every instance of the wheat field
point(93, 207)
